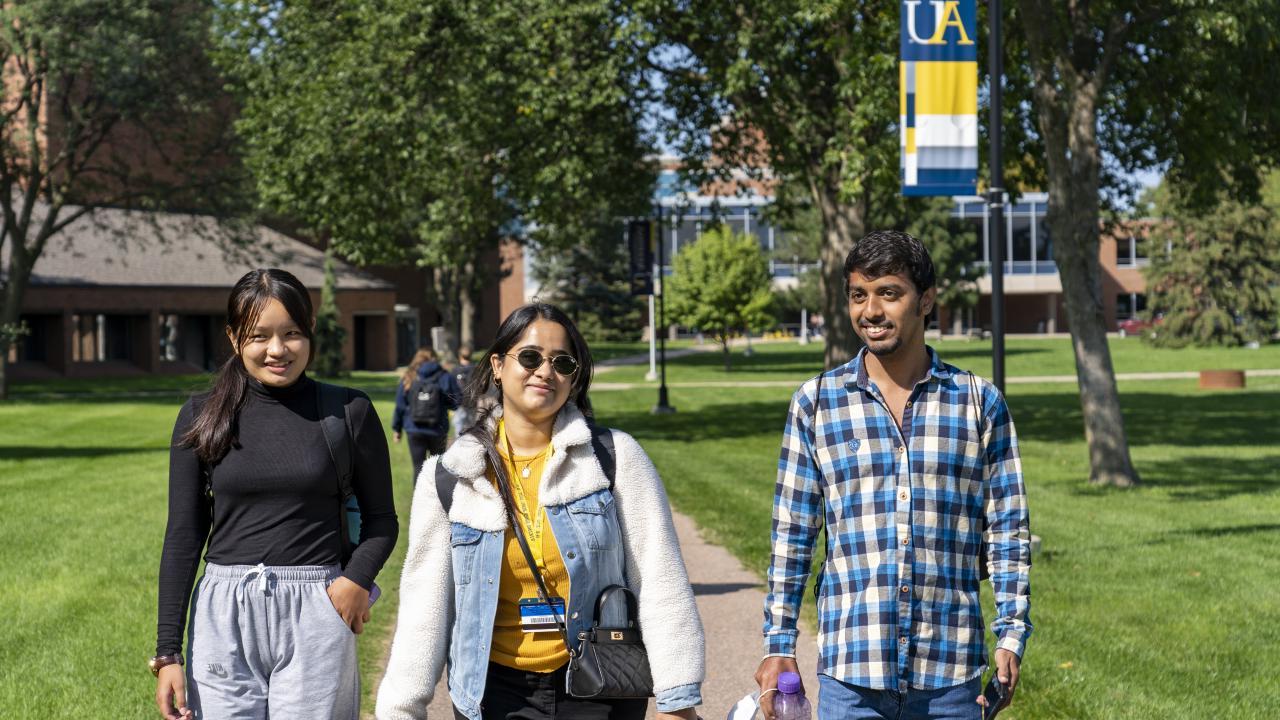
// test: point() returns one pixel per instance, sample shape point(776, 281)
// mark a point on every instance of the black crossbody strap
point(508, 502)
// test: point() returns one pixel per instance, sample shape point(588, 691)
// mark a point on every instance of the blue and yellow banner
point(938, 97)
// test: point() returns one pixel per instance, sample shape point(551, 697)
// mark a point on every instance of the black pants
point(511, 694)
point(420, 446)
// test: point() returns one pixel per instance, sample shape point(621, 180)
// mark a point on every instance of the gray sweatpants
point(266, 641)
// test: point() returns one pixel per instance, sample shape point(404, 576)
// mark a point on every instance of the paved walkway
point(731, 603)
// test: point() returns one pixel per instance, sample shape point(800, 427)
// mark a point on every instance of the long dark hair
point(481, 382)
point(214, 431)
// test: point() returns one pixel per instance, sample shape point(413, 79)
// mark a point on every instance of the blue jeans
point(841, 701)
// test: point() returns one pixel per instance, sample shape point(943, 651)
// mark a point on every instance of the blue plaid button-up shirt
point(905, 514)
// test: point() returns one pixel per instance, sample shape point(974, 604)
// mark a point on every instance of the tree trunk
point(20, 265)
point(467, 306)
point(1074, 219)
point(724, 346)
point(842, 225)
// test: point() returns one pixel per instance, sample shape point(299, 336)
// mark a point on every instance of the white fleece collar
point(571, 472)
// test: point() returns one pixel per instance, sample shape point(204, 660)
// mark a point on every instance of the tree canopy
point(1212, 273)
point(106, 103)
point(720, 285)
point(1114, 87)
point(429, 132)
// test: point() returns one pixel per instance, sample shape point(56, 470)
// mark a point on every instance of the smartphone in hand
point(996, 693)
point(374, 594)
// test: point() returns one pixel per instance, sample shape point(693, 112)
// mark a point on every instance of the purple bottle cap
point(789, 683)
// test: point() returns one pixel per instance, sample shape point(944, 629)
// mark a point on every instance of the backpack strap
point(601, 444)
point(336, 426)
point(822, 531)
point(975, 399)
point(445, 482)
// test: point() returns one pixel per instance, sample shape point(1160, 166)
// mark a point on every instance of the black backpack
point(426, 401)
point(601, 444)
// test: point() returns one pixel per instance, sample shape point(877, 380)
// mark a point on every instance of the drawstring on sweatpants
point(264, 582)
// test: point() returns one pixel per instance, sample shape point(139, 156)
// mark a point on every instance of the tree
point(1101, 102)
point(591, 282)
point(955, 249)
point(720, 284)
point(427, 133)
point(329, 334)
point(1211, 274)
point(106, 103)
point(805, 89)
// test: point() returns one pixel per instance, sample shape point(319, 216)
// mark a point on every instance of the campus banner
point(938, 97)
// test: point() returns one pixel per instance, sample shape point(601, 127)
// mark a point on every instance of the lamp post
point(995, 197)
point(663, 407)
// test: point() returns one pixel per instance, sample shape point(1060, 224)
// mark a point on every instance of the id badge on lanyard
point(537, 616)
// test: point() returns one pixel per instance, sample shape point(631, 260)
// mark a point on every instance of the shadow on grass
point(713, 422)
point(770, 360)
point(1208, 478)
point(1231, 530)
point(1209, 420)
point(37, 452)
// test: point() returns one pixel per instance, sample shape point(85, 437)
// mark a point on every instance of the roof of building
point(158, 249)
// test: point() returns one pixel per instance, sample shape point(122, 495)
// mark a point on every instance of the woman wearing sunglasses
point(466, 578)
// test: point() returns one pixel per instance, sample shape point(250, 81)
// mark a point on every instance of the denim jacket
point(449, 586)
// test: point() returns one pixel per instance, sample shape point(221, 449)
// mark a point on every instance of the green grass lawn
point(1141, 599)
point(1023, 358)
point(1158, 602)
point(84, 486)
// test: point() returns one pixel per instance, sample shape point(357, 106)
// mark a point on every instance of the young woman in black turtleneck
point(273, 620)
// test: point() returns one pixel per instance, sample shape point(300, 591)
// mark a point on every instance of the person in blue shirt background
point(425, 395)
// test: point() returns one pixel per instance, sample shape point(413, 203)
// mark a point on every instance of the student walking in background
point(469, 594)
point(912, 465)
point(254, 481)
point(462, 375)
point(424, 397)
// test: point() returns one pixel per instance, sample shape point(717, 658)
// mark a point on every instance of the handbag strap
point(508, 503)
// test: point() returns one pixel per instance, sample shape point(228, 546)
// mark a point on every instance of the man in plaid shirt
point(912, 465)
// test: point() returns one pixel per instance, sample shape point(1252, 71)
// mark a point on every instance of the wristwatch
point(160, 661)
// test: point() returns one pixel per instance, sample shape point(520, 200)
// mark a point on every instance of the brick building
point(119, 294)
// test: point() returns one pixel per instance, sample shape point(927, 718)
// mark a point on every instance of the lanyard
point(531, 522)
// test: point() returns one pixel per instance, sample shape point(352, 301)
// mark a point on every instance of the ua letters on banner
point(938, 97)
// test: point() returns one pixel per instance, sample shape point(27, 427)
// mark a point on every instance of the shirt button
point(906, 541)
point(572, 555)
point(574, 616)
point(908, 404)
point(555, 511)
point(902, 495)
point(902, 448)
point(905, 588)
point(902, 641)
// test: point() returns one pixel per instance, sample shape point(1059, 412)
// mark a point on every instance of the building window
point(98, 338)
point(1130, 305)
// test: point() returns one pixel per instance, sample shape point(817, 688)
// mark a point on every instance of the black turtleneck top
point(276, 498)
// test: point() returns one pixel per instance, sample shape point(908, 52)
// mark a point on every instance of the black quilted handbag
point(611, 662)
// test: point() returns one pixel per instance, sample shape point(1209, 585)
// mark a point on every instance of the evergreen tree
point(720, 285)
point(953, 245)
point(1212, 274)
point(329, 336)
point(590, 281)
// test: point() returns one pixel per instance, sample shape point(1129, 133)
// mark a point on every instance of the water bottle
point(790, 702)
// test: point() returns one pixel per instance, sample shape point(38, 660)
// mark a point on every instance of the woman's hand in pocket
point(352, 603)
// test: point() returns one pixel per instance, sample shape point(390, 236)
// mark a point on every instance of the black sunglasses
point(531, 360)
